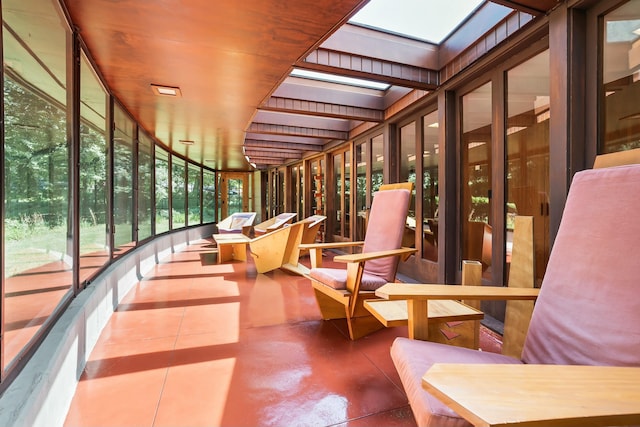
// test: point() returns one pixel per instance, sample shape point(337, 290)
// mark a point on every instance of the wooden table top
point(393, 291)
point(231, 238)
point(538, 395)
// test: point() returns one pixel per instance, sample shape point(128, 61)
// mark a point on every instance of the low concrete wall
point(41, 394)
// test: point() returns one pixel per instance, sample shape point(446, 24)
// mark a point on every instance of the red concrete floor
point(201, 344)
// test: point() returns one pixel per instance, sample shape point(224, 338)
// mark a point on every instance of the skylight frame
point(339, 79)
point(386, 16)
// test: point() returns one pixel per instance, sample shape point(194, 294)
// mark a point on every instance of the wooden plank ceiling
point(231, 61)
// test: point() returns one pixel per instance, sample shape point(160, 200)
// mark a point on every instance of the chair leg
point(363, 325)
point(362, 322)
point(329, 307)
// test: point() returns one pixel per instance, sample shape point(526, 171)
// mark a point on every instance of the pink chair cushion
point(413, 358)
point(588, 311)
point(337, 279)
point(384, 230)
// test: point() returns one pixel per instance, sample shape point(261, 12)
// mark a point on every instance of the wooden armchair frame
point(577, 366)
point(274, 223)
point(238, 222)
point(347, 303)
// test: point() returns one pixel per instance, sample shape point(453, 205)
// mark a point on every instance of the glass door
point(234, 193)
point(476, 179)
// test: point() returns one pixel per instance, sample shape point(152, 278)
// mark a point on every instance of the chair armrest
point(374, 255)
point(330, 245)
point(394, 291)
point(490, 395)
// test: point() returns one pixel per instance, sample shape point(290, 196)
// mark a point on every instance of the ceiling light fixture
point(166, 90)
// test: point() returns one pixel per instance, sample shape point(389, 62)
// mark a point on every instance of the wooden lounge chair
point(587, 313)
point(306, 235)
point(274, 223)
point(340, 292)
point(237, 222)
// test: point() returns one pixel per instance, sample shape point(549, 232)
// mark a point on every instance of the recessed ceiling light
point(166, 90)
point(186, 142)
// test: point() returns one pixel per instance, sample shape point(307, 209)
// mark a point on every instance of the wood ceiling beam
point(324, 109)
point(359, 66)
point(256, 143)
point(525, 6)
point(275, 129)
point(272, 153)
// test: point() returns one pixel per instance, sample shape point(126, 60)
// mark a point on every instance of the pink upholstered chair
point(341, 292)
point(588, 308)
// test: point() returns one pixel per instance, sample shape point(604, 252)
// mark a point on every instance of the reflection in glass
point(35, 239)
point(621, 79)
point(208, 196)
point(162, 190)
point(528, 153)
point(145, 189)
point(337, 191)
point(122, 181)
point(178, 196)
point(430, 199)
point(94, 239)
point(408, 173)
point(361, 190)
point(347, 193)
point(476, 176)
point(193, 192)
point(377, 163)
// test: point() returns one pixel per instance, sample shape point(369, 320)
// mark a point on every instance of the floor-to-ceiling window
point(527, 151)
point(476, 121)
point(145, 185)
point(342, 194)
point(430, 200)
point(37, 231)
point(94, 239)
point(208, 196)
point(360, 190)
point(194, 194)
point(162, 190)
point(407, 173)
point(377, 162)
point(123, 146)
point(178, 192)
point(620, 117)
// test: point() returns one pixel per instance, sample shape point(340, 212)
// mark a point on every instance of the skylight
point(429, 20)
point(333, 78)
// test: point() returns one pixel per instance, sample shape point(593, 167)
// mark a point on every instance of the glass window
point(162, 190)
point(527, 168)
point(194, 195)
point(377, 163)
point(208, 196)
point(337, 191)
point(361, 190)
point(94, 239)
point(122, 181)
point(476, 176)
point(317, 187)
point(621, 79)
point(430, 156)
point(178, 196)
point(407, 163)
point(145, 189)
point(37, 260)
